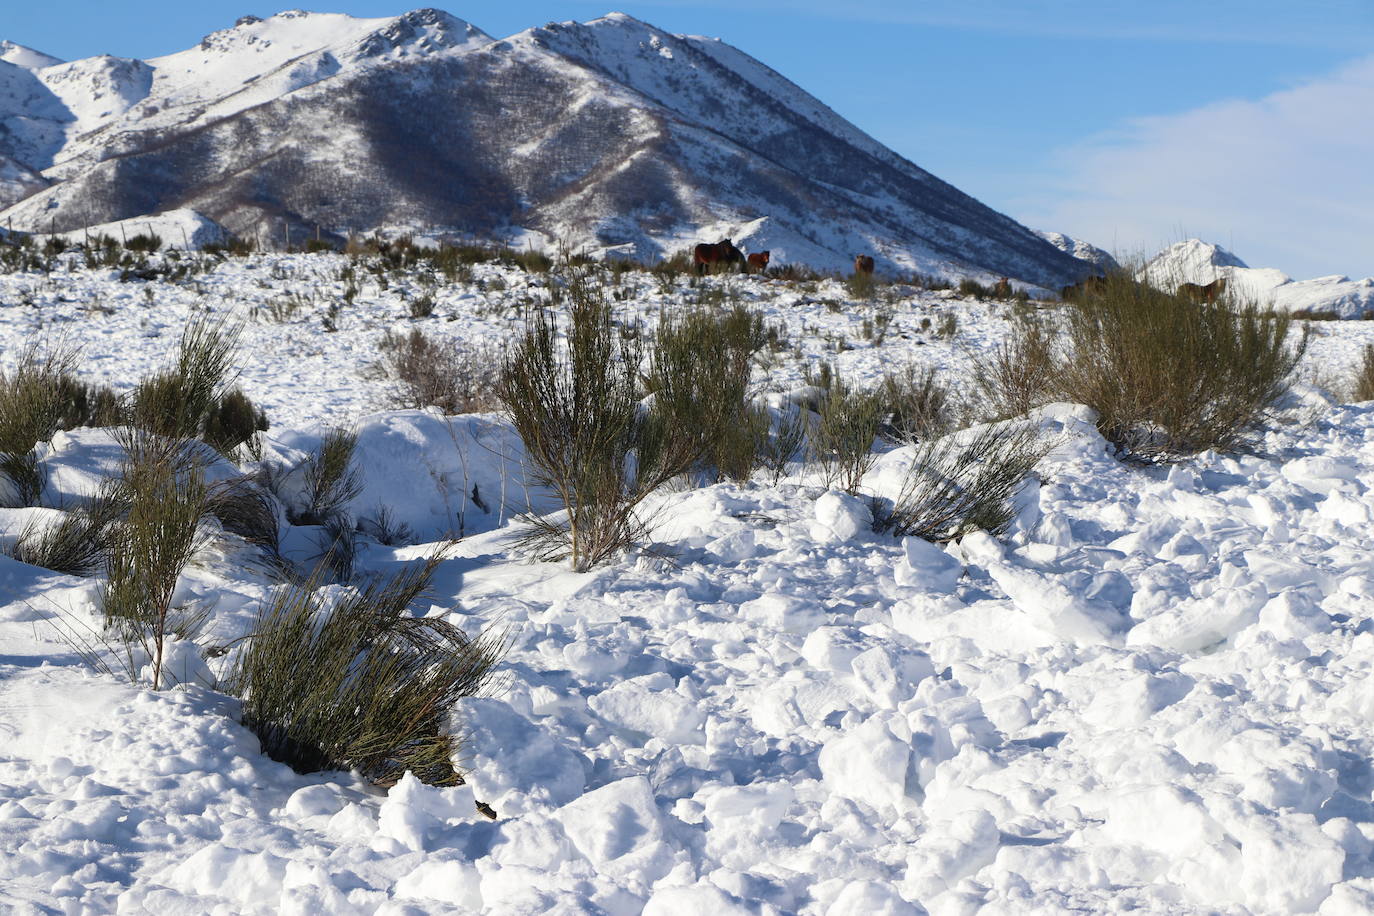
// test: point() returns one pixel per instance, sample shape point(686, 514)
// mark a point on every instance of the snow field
point(1154, 694)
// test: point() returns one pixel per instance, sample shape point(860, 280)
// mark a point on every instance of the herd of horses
point(711, 256)
point(723, 254)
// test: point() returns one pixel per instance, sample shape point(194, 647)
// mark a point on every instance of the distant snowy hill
point(1081, 250)
point(1196, 261)
point(610, 135)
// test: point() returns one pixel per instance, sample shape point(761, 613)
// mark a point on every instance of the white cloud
point(1286, 180)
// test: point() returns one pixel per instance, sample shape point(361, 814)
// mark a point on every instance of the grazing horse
point(1088, 286)
point(1198, 293)
point(758, 261)
point(706, 256)
point(863, 264)
point(1002, 289)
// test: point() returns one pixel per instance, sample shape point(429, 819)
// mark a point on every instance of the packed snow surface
point(1155, 694)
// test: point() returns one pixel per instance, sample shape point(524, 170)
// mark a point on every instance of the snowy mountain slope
point(607, 135)
point(1153, 695)
point(1195, 261)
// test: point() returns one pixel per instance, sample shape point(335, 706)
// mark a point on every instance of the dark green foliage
point(244, 508)
point(176, 402)
point(232, 421)
point(232, 246)
point(146, 242)
point(860, 285)
point(972, 289)
point(40, 396)
point(360, 685)
point(963, 483)
point(331, 479)
point(192, 400)
point(842, 441)
point(532, 261)
point(421, 307)
point(78, 544)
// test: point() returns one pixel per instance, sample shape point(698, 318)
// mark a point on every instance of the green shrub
point(699, 374)
point(231, 421)
point(331, 479)
point(576, 406)
point(782, 441)
point(843, 438)
point(532, 261)
point(421, 306)
point(166, 495)
point(972, 289)
point(77, 545)
point(1169, 376)
point(860, 285)
point(915, 404)
point(40, 396)
point(144, 241)
point(1363, 388)
point(246, 509)
point(192, 400)
point(361, 685)
point(962, 483)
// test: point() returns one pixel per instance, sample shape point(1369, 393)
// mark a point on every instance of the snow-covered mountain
point(1196, 261)
point(1082, 250)
point(609, 134)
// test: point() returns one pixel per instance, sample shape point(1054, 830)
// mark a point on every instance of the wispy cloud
point(1285, 180)
point(1335, 24)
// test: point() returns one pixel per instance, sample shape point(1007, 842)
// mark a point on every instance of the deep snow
point(1154, 694)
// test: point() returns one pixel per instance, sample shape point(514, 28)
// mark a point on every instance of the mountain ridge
point(611, 135)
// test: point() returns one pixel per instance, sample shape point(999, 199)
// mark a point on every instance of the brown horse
point(1198, 293)
point(706, 256)
point(1002, 289)
point(1088, 286)
point(863, 264)
point(758, 261)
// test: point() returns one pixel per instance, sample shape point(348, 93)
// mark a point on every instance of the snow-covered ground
point(1155, 694)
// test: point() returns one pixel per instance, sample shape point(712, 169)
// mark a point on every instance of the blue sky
point(1130, 124)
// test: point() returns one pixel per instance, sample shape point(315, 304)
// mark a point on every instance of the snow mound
point(184, 229)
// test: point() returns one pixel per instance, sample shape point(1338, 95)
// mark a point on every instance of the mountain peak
point(27, 58)
point(425, 30)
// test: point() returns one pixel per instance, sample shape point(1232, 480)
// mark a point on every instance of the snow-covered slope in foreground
point(1156, 694)
point(1196, 261)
